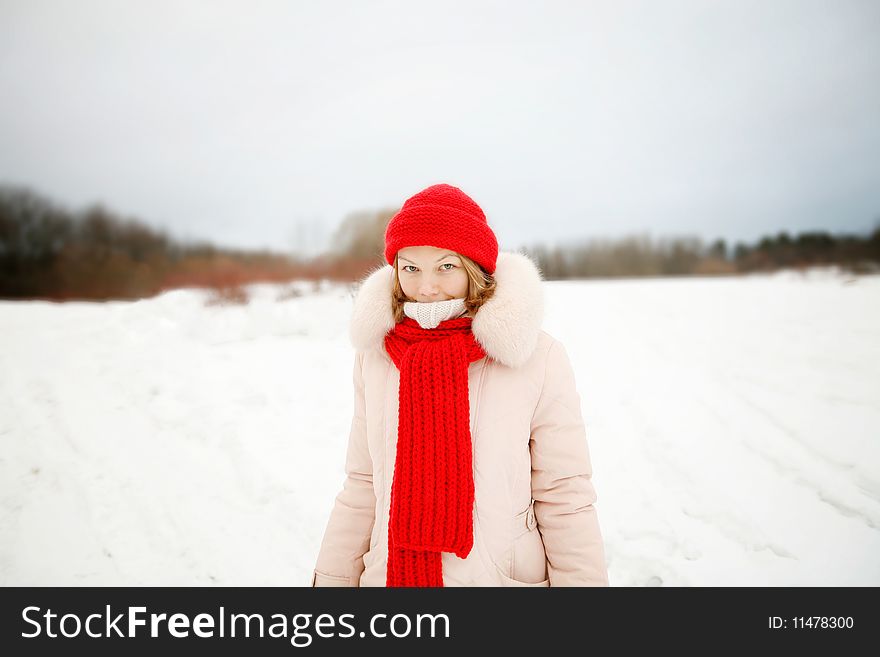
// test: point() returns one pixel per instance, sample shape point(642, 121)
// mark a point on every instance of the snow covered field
point(734, 425)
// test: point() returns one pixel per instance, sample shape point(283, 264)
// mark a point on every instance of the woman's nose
point(428, 288)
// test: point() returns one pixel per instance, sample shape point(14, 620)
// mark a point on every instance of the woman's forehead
point(425, 253)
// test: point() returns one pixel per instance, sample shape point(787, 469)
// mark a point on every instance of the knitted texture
point(432, 492)
point(445, 217)
point(429, 314)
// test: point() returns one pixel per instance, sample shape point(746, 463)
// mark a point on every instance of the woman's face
point(427, 274)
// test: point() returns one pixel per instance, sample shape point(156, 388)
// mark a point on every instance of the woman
point(467, 462)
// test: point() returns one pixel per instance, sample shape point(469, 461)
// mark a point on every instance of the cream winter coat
point(535, 521)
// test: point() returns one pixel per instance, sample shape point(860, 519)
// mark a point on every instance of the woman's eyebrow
point(437, 260)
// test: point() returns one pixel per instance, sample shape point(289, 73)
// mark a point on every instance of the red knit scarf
point(432, 493)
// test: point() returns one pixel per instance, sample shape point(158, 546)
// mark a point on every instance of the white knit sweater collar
point(430, 314)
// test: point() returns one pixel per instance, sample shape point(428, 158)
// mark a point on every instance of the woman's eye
point(449, 265)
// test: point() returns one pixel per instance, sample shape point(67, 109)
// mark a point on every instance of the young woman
point(467, 462)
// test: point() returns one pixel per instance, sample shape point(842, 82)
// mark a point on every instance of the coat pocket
point(524, 533)
point(528, 560)
point(322, 579)
point(509, 581)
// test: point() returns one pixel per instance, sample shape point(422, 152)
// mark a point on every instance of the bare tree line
point(47, 251)
point(670, 256)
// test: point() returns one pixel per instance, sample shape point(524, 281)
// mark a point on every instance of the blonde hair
point(481, 287)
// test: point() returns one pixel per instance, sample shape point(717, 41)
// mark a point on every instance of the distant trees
point(47, 251)
point(630, 256)
point(641, 256)
point(50, 252)
point(362, 234)
point(852, 252)
point(358, 244)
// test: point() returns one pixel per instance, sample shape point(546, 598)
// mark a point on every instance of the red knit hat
point(445, 217)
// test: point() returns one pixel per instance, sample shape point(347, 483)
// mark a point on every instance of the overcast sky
point(239, 121)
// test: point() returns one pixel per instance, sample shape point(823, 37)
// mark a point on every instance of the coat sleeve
point(562, 480)
point(347, 536)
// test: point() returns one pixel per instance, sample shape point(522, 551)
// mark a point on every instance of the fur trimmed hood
point(506, 326)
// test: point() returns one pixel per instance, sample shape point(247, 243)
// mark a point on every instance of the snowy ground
point(734, 425)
